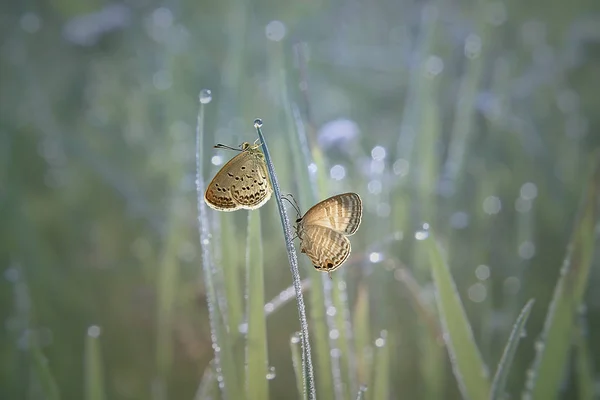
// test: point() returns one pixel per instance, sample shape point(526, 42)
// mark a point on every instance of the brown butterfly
point(323, 230)
point(242, 183)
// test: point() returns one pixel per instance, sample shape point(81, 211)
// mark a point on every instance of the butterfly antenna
point(224, 146)
point(293, 204)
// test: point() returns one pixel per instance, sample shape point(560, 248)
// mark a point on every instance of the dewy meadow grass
point(475, 121)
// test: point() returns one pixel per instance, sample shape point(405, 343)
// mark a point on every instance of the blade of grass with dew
point(381, 368)
point(307, 368)
point(343, 368)
point(552, 350)
point(94, 374)
point(504, 366)
point(469, 369)
point(224, 361)
point(257, 385)
point(296, 349)
point(584, 367)
point(361, 392)
point(43, 374)
point(320, 299)
point(206, 385)
point(362, 335)
point(432, 364)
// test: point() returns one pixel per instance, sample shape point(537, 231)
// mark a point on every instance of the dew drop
point(295, 339)
point(477, 292)
point(526, 250)
point(269, 307)
point(492, 205)
point(375, 257)
point(375, 186)
point(482, 272)
point(422, 233)
point(258, 123)
point(312, 168)
point(275, 31)
point(243, 328)
point(331, 311)
point(378, 153)
point(401, 167)
point(30, 22)
point(216, 160)
point(434, 66)
point(271, 373)
point(529, 191)
point(337, 172)
point(472, 46)
point(205, 96)
point(94, 331)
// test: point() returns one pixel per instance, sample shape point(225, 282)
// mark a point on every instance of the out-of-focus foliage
point(478, 120)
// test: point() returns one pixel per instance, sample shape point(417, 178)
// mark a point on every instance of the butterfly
point(324, 228)
point(241, 183)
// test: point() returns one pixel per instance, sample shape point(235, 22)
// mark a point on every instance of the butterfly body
point(324, 228)
point(242, 183)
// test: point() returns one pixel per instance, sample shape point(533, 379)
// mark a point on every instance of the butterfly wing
point(253, 189)
point(326, 248)
point(342, 213)
point(241, 183)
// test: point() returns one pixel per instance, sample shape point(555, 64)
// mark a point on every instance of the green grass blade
point(504, 366)
point(257, 386)
point(362, 335)
point(224, 361)
point(469, 369)
point(585, 370)
point(554, 346)
point(361, 393)
point(43, 374)
point(231, 273)
point(309, 380)
point(296, 349)
point(94, 374)
point(206, 385)
point(381, 368)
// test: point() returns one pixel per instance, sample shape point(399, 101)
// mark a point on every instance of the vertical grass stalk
point(309, 381)
point(224, 363)
point(257, 386)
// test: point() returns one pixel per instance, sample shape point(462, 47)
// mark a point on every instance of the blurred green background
point(478, 118)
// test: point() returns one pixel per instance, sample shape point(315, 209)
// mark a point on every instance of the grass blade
point(585, 370)
point(42, 372)
point(499, 381)
point(94, 374)
point(257, 386)
point(224, 363)
point(309, 380)
point(297, 364)
point(553, 349)
point(381, 368)
point(362, 335)
point(469, 369)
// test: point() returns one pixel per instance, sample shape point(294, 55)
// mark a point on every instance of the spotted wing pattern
point(242, 183)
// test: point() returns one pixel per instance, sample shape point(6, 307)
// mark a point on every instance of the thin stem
point(309, 386)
